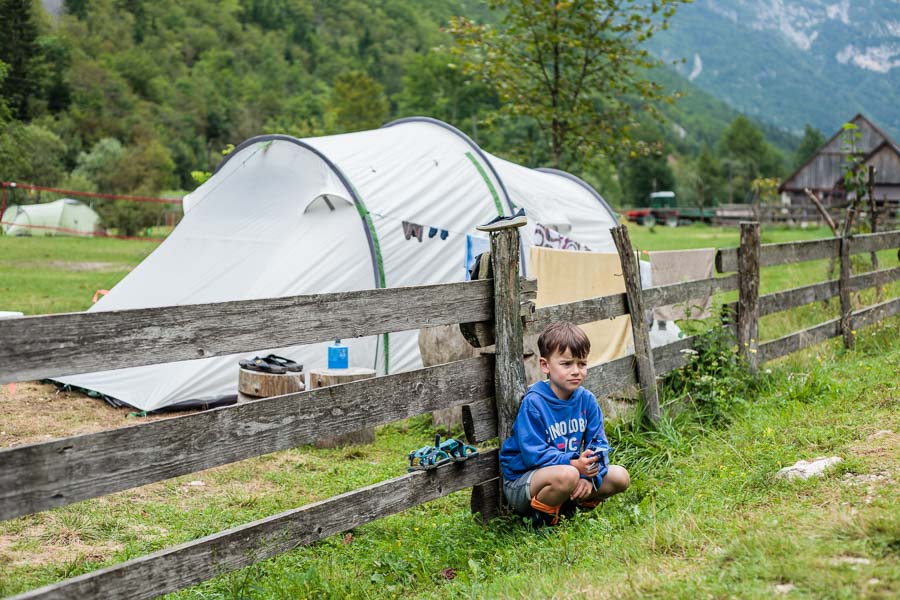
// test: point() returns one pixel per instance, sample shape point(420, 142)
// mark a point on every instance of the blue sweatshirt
point(549, 431)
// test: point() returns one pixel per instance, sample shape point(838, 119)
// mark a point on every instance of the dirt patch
point(880, 450)
point(37, 412)
point(66, 265)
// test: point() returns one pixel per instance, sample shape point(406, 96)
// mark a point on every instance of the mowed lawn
point(704, 518)
point(43, 275)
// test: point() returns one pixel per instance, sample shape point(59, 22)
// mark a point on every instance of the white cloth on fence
point(677, 266)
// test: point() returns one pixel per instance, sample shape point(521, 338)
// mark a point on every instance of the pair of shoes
point(502, 222)
point(277, 365)
point(455, 449)
point(428, 457)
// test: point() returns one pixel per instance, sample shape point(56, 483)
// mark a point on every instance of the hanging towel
point(567, 276)
point(677, 266)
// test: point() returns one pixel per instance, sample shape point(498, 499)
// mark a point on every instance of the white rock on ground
point(804, 470)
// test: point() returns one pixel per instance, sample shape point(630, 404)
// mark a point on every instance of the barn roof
point(823, 168)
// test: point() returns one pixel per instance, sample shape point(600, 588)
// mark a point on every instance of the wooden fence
point(59, 472)
point(799, 212)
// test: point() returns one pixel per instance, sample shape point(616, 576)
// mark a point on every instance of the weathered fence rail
point(50, 474)
point(794, 252)
point(45, 475)
point(55, 345)
point(198, 560)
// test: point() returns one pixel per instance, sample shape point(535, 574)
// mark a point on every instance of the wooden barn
point(823, 173)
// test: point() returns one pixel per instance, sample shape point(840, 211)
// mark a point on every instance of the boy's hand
point(582, 490)
point(586, 463)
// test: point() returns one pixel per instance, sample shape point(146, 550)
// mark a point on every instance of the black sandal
point(287, 363)
point(262, 365)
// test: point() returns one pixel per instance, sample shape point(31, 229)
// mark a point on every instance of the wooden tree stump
point(264, 385)
point(325, 377)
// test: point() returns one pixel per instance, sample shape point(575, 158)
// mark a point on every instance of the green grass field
point(44, 275)
point(704, 517)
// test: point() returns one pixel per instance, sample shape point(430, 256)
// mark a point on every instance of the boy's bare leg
point(614, 482)
point(553, 485)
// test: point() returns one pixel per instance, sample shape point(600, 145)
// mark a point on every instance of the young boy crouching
point(557, 452)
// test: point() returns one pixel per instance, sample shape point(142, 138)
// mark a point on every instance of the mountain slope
point(792, 62)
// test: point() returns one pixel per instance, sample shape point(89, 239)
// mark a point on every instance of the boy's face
point(566, 372)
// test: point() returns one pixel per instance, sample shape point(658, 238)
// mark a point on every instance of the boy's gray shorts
point(518, 493)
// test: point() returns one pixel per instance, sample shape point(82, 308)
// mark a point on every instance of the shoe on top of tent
point(517, 219)
point(262, 365)
point(290, 365)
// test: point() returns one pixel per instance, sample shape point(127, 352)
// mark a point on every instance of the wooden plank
point(55, 473)
point(67, 344)
point(679, 293)
point(793, 252)
point(673, 356)
point(799, 340)
point(480, 420)
point(486, 499)
point(873, 314)
point(844, 292)
point(794, 297)
point(616, 305)
point(819, 333)
point(610, 378)
point(748, 295)
point(874, 278)
point(639, 326)
point(583, 311)
point(198, 560)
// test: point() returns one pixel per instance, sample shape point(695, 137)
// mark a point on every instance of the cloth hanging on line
point(677, 266)
point(412, 230)
point(545, 237)
point(566, 276)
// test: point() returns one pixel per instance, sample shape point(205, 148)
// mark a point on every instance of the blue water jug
point(338, 356)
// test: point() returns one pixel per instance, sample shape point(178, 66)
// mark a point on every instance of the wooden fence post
point(509, 369)
point(873, 223)
point(640, 329)
point(844, 292)
point(748, 295)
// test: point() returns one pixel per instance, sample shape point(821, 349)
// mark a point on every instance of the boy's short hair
point(559, 337)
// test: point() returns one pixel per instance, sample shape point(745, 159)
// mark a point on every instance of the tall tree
point(811, 142)
point(359, 102)
point(19, 50)
point(577, 68)
point(746, 156)
point(4, 107)
point(645, 174)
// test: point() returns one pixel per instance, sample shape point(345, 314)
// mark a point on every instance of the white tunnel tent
point(283, 216)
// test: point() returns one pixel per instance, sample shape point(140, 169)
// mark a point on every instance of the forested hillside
point(791, 63)
point(133, 96)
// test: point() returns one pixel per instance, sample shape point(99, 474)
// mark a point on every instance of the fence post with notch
point(509, 370)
